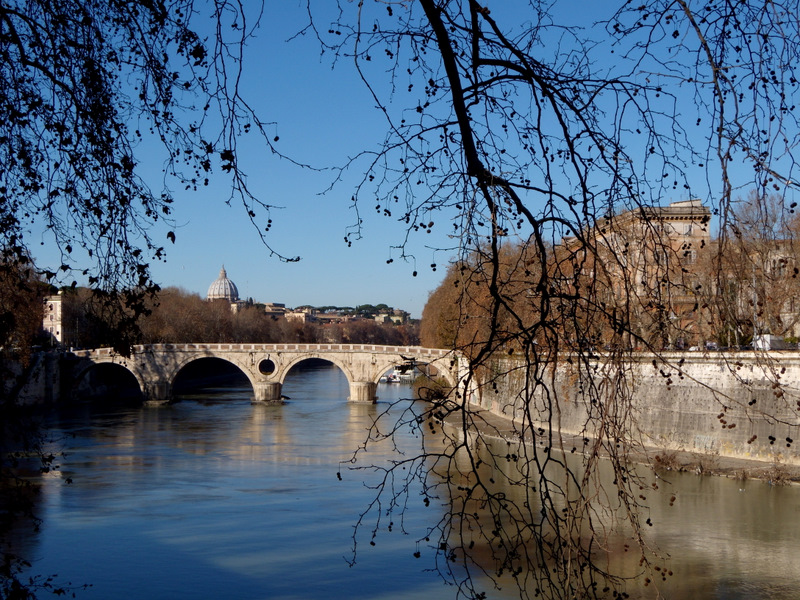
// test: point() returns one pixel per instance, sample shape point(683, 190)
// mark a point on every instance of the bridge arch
point(180, 365)
point(284, 369)
point(96, 378)
point(188, 372)
point(266, 365)
point(447, 368)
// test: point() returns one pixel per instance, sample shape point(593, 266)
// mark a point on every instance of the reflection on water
point(213, 497)
point(715, 537)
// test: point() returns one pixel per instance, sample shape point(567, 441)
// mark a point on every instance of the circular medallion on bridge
point(266, 367)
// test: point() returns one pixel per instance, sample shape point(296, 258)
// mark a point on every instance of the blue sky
point(323, 116)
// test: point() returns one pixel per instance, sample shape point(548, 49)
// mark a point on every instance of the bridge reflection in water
point(216, 497)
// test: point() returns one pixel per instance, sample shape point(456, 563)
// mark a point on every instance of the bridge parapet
point(216, 347)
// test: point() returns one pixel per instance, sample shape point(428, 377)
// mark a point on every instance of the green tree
point(366, 310)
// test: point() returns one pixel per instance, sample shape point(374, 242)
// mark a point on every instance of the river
point(212, 497)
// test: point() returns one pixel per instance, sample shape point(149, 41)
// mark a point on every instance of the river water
point(212, 497)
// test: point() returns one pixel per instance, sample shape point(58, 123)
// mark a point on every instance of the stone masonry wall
point(742, 405)
point(37, 382)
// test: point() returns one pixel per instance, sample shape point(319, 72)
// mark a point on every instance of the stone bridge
point(266, 365)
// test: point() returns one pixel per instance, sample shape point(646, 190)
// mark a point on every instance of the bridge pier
point(158, 393)
point(267, 392)
point(363, 391)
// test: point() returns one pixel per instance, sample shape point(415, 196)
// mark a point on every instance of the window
point(688, 255)
point(779, 267)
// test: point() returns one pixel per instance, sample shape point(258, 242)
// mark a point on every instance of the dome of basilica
point(223, 288)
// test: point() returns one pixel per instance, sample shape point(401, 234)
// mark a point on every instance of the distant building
point(397, 316)
point(273, 309)
point(331, 318)
point(53, 318)
point(652, 253)
point(223, 289)
point(305, 314)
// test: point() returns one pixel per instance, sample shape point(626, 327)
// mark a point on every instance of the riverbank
point(731, 415)
point(660, 459)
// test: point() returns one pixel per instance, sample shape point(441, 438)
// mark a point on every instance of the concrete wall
point(742, 405)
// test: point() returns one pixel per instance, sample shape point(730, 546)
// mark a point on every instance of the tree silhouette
point(537, 136)
point(509, 122)
point(85, 86)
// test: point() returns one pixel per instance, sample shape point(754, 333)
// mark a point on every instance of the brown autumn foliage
point(456, 312)
point(184, 317)
point(758, 264)
point(726, 291)
point(21, 308)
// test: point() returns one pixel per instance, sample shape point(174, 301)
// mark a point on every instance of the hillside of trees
point(179, 316)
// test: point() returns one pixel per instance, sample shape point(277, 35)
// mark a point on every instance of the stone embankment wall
point(36, 382)
point(740, 405)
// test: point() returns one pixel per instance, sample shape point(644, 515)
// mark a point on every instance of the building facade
point(645, 266)
point(53, 323)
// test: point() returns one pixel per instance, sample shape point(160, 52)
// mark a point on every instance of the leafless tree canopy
point(544, 145)
point(83, 84)
point(548, 145)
